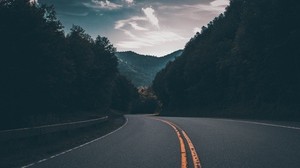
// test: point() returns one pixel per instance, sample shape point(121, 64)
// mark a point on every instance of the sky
point(148, 27)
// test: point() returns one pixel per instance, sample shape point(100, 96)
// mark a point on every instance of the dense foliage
point(43, 71)
point(147, 102)
point(245, 63)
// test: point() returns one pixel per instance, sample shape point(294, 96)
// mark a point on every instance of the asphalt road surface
point(170, 142)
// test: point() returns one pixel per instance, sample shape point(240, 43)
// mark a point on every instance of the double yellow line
point(180, 132)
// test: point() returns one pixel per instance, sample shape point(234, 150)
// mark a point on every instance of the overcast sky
point(145, 26)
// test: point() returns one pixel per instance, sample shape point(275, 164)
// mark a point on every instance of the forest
point(245, 63)
point(141, 69)
point(47, 72)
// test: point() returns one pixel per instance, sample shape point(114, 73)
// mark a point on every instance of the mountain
point(244, 63)
point(141, 69)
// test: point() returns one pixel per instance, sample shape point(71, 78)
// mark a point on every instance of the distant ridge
point(141, 69)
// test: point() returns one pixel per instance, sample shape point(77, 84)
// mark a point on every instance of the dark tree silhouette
point(245, 63)
point(45, 72)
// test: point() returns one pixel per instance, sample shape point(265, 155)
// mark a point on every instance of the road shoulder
point(24, 151)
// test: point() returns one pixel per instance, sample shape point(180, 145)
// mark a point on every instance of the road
point(170, 142)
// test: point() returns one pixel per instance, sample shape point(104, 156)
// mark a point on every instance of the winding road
point(174, 142)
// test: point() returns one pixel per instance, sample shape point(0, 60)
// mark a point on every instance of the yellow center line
point(194, 154)
point(181, 141)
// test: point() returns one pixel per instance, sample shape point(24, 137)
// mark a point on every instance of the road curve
point(154, 142)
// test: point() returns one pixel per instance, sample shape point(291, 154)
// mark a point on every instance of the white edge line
point(264, 124)
point(77, 147)
point(54, 125)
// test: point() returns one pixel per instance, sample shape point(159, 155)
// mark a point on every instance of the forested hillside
point(141, 69)
point(43, 71)
point(245, 63)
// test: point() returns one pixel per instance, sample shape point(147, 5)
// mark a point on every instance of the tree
point(244, 59)
point(45, 72)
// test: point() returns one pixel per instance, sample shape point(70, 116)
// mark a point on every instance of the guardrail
point(45, 129)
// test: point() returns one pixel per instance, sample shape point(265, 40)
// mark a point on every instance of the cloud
point(216, 7)
point(129, 1)
point(131, 22)
point(149, 12)
point(197, 29)
point(132, 44)
point(33, 1)
point(121, 23)
point(147, 35)
point(137, 27)
point(150, 38)
point(218, 3)
point(102, 4)
point(190, 16)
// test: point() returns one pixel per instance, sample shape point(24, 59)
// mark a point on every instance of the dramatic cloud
point(155, 27)
point(149, 12)
point(149, 36)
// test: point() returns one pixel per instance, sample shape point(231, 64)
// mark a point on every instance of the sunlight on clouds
point(155, 29)
point(149, 12)
point(139, 36)
point(150, 26)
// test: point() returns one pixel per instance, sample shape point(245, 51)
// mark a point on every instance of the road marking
point(194, 154)
point(55, 125)
point(77, 147)
point(260, 123)
point(181, 141)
